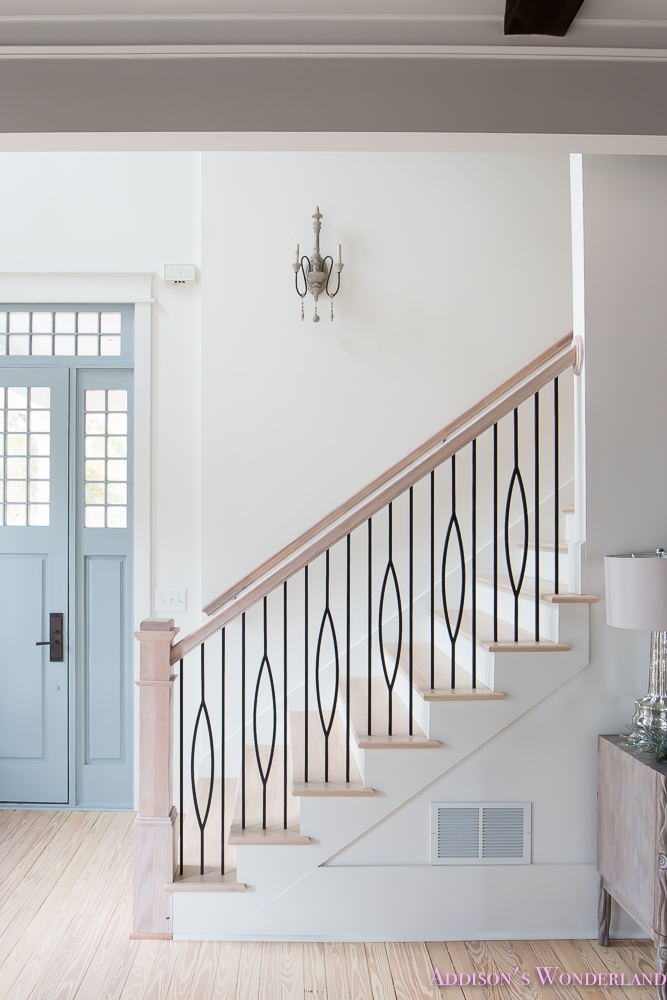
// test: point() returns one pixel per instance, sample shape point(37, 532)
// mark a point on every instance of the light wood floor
point(65, 913)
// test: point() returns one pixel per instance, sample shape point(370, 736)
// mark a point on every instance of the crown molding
point(494, 52)
point(201, 31)
point(347, 142)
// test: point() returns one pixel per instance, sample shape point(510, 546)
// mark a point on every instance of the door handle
point(56, 637)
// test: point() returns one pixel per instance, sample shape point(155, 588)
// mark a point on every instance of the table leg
point(604, 917)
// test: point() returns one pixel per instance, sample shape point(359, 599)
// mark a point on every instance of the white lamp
point(636, 598)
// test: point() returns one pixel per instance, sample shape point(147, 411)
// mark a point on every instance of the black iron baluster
point(432, 579)
point(305, 679)
point(474, 563)
point(203, 709)
point(285, 705)
point(556, 488)
point(453, 526)
point(411, 611)
point(495, 532)
point(222, 754)
point(391, 569)
point(243, 721)
point(516, 477)
point(537, 517)
point(326, 617)
point(264, 774)
point(347, 663)
point(180, 771)
point(370, 621)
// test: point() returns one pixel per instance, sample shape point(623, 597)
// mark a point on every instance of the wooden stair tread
point(528, 590)
point(506, 643)
point(379, 738)
point(547, 546)
point(316, 785)
point(211, 881)
point(568, 510)
point(275, 832)
point(421, 676)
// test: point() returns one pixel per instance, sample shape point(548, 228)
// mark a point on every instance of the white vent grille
point(478, 833)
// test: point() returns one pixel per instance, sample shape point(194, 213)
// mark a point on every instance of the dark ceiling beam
point(540, 17)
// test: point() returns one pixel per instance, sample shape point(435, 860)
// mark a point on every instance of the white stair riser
point(548, 613)
point(420, 712)
point(484, 663)
point(547, 565)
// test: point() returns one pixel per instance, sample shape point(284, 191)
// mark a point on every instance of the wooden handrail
point(391, 484)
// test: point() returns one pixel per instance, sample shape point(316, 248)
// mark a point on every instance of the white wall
point(549, 756)
point(106, 212)
point(454, 263)
point(457, 272)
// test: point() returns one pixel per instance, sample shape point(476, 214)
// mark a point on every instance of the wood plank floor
point(65, 917)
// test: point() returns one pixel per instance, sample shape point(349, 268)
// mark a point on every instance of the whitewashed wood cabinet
point(632, 843)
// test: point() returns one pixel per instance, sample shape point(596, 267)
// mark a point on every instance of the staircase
point(354, 669)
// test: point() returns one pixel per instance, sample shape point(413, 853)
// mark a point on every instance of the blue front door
point(34, 542)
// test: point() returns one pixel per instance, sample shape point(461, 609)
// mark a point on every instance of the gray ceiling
point(600, 23)
point(356, 66)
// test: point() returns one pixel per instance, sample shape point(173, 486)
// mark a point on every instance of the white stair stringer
point(273, 872)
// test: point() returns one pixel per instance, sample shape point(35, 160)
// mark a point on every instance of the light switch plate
point(171, 599)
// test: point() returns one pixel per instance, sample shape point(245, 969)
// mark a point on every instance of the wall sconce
point(316, 271)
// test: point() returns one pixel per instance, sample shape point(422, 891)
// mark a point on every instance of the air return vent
point(480, 833)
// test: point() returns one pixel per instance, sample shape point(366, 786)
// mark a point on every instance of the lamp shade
point(636, 591)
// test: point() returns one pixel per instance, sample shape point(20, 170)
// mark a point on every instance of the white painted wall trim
point(579, 329)
point(436, 903)
point(364, 142)
point(91, 286)
point(328, 51)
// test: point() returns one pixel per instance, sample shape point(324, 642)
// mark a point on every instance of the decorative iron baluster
point(432, 579)
point(305, 678)
point(453, 526)
point(180, 770)
point(326, 617)
point(243, 721)
point(474, 563)
point(264, 773)
point(495, 532)
point(556, 489)
point(411, 596)
point(391, 569)
point(203, 710)
point(516, 478)
point(285, 705)
point(370, 622)
point(537, 517)
point(222, 753)
point(348, 603)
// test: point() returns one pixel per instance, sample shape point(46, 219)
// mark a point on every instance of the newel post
point(154, 839)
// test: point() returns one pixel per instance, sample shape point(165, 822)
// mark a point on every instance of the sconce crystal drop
point(316, 271)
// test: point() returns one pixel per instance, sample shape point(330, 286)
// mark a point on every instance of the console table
point(632, 843)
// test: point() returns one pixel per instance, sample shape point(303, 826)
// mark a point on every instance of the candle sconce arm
point(338, 268)
point(300, 268)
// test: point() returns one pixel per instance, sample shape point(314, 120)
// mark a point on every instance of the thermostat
point(179, 274)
